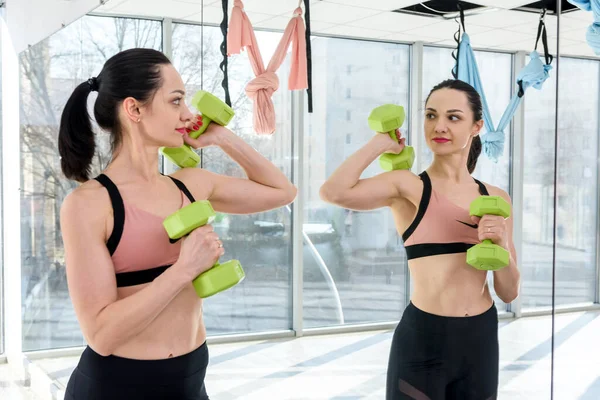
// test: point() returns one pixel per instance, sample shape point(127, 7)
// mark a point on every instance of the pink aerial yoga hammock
point(260, 89)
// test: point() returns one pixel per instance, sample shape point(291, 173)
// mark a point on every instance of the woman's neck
point(137, 162)
point(451, 168)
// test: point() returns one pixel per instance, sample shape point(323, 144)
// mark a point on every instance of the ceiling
point(500, 27)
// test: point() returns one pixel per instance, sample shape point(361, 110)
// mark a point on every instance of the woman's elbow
point(101, 343)
point(291, 194)
point(103, 351)
point(509, 297)
point(287, 195)
point(329, 195)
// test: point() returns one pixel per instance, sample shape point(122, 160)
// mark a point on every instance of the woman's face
point(165, 116)
point(449, 125)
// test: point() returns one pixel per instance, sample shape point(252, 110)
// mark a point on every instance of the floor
point(13, 387)
point(352, 366)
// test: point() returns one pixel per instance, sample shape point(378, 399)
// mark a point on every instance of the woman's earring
point(138, 119)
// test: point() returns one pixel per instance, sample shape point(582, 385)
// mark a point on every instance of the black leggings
point(443, 358)
point(115, 378)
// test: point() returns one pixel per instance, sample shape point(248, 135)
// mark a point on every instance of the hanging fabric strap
point(541, 33)
point(308, 55)
point(593, 32)
point(223, 64)
point(534, 74)
point(261, 89)
point(455, 54)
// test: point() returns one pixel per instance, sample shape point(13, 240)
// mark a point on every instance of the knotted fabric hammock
point(532, 75)
point(260, 89)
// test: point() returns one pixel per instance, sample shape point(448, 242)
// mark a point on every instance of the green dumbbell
point(388, 118)
point(212, 110)
point(221, 276)
point(488, 256)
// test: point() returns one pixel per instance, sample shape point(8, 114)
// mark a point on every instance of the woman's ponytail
point(76, 142)
point(133, 73)
point(474, 153)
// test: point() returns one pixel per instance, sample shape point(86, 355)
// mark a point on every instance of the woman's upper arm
point(233, 195)
point(90, 271)
point(376, 192)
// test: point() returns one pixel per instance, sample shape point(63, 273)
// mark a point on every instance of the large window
point(354, 262)
point(495, 70)
point(262, 242)
point(577, 219)
point(576, 223)
point(538, 191)
point(50, 71)
point(1, 220)
point(577, 188)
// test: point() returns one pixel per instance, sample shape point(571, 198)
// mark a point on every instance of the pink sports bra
point(440, 226)
point(139, 246)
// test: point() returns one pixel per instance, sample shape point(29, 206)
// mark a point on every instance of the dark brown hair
point(131, 73)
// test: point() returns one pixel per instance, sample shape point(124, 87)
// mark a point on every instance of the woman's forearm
point(347, 175)
point(507, 281)
point(122, 320)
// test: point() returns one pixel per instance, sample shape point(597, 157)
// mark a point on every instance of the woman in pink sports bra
point(446, 344)
point(130, 286)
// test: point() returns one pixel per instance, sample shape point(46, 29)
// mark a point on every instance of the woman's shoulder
point(406, 176)
point(88, 202)
point(409, 185)
point(198, 181)
point(497, 191)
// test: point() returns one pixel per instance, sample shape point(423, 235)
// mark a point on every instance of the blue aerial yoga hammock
point(533, 74)
point(593, 31)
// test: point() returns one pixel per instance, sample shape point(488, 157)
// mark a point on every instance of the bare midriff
point(177, 330)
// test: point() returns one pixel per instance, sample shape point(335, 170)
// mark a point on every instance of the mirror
point(576, 324)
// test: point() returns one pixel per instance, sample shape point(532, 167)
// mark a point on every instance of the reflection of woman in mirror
point(446, 345)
